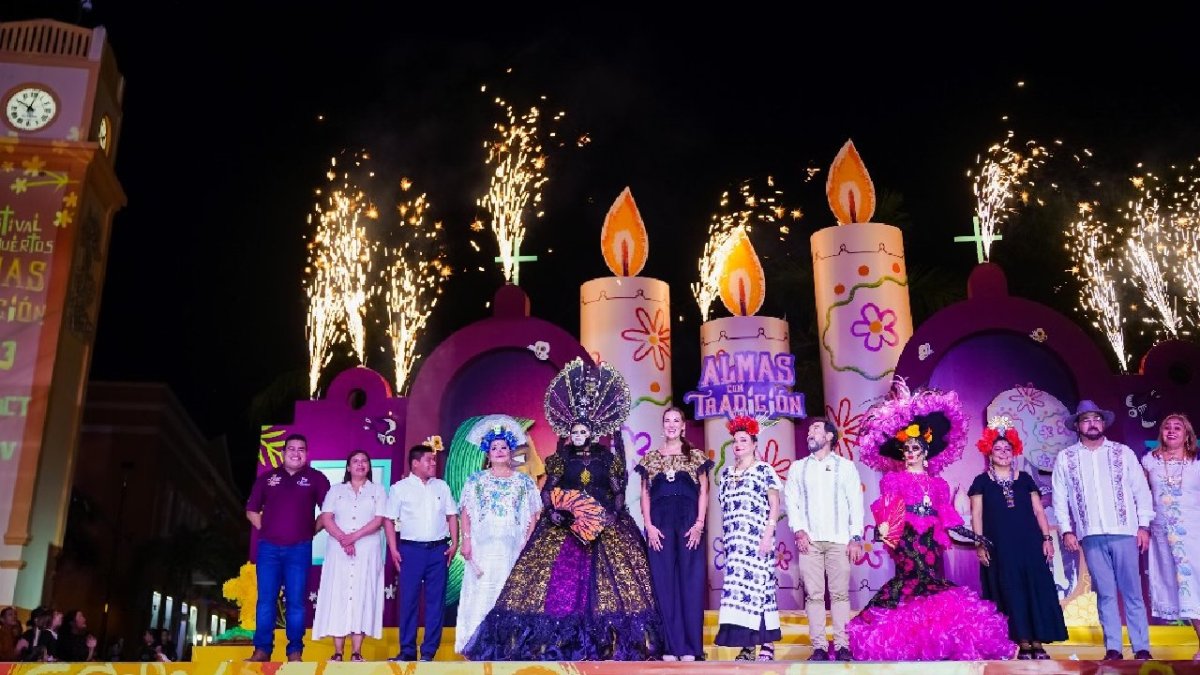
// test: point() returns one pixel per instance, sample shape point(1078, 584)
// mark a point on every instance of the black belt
point(921, 509)
point(426, 544)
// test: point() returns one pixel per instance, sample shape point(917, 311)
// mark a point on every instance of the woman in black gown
point(1006, 507)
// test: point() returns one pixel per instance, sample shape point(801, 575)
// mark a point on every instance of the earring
point(925, 463)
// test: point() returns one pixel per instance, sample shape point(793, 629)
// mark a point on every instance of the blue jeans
point(1112, 560)
point(283, 567)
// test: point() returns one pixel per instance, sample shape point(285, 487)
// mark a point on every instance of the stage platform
point(611, 668)
point(1173, 647)
point(1172, 643)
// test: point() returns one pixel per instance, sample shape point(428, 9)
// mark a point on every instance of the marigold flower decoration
point(742, 423)
point(435, 443)
point(243, 591)
point(1000, 427)
point(914, 431)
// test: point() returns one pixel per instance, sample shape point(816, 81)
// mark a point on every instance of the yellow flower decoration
point(243, 590)
point(435, 442)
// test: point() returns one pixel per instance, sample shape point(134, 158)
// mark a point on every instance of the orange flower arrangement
point(914, 431)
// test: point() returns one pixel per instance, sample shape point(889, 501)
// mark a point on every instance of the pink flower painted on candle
point(877, 327)
point(654, 336)
point(783, 556)
point(847, 425)
point(770, 455)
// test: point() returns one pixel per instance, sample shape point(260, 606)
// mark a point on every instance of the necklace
point(1006, 486)
point(585, 476)
point(1173, 481)
point(922, 481)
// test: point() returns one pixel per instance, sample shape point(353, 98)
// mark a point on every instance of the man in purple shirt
point(282, 507)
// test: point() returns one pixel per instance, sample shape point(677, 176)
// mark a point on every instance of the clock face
point(30, 108)
point(103, 133)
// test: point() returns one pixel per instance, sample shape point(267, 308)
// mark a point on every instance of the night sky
point(223, 144)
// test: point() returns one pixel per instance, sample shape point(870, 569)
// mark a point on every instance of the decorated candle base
point(626, 321)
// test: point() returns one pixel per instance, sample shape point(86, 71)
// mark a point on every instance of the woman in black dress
point(1006, 507)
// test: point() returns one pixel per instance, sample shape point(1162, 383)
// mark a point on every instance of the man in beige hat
point(1104, 506)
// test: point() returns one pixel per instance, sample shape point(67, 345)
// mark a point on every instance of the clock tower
point(60, 124)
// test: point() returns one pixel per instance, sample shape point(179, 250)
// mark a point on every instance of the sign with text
point(38, 202)
point(755, 383)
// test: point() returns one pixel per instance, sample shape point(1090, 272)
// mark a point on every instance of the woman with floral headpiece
point(497, 510)
point(580, 590)
point(918, 615)
point(748, 491)
point(1006, 507)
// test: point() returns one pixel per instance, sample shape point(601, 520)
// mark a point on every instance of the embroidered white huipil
point(1101, 491)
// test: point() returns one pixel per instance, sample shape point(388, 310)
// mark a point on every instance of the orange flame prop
point(743, 284)
point(623, 239)
point(849, 189)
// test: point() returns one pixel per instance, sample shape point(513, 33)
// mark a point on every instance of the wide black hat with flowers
point(933, 415)
point(931, 428)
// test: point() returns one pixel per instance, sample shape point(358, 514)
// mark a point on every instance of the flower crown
point(742, 423)
point(1000, 427)
point(498, 433)
point(914, 431)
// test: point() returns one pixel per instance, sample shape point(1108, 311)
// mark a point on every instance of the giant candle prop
point(625, 320)
point(746, 368)
point(863, 323)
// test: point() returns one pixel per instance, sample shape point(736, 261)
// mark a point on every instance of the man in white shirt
point(423, 510)
point(1103, 505)
point(823, 496)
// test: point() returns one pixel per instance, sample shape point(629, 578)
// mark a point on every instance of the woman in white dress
point(748, 492)
point(350, 599)
point(498, 509)
point(1174, 476)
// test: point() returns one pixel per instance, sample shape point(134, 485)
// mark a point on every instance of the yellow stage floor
point(1174, 643)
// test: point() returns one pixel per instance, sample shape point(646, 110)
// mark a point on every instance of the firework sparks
point(343, 244)
point(518, 174)
point(1002, 172)
point(323, 324)
point(737, 213)
point(413, 282)
point(1149, 253)
point(1087, 242)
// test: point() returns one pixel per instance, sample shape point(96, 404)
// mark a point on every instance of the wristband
point(1046, 537)
point(856, 539)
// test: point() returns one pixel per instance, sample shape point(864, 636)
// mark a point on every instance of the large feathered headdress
point(930, 414)
point(595, 396)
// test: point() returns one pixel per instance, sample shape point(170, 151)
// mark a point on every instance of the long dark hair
point(688, 447)
point(370, 472)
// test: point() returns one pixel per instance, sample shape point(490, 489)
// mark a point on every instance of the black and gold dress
point(567, 600)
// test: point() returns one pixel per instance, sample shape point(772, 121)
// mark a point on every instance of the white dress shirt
point(1101, 491)
point(421, 507)
point(824, 499)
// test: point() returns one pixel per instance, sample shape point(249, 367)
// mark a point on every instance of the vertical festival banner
point(746, 370)
point(863, 323)
point(625, 320)
point(39, 201)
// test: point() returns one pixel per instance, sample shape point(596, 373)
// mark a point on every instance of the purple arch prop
point(491, 366)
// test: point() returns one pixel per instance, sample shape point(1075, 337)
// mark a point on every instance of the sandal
point(747, 654)
point(1025, 653)
point(1039, 654)
point(357, 658)
point(766, 652)
point(336, 657)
